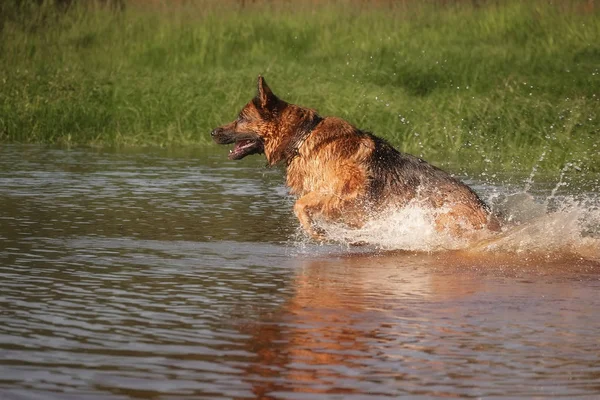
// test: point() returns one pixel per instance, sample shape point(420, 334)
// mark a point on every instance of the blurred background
point(498, 85)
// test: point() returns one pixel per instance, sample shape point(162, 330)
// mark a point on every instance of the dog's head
point(266, 125)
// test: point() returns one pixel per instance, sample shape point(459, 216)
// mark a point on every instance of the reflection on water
point(157, 275)
point(406, 324)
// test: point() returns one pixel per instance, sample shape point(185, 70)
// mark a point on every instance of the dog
point(340, 173)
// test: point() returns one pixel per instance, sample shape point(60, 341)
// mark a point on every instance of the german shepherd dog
point(343, 174)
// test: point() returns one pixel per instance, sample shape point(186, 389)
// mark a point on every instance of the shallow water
point(171, 275)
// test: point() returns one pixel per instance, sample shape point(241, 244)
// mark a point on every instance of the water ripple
point(161, 275)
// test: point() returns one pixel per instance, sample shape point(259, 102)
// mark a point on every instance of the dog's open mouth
point(245, 147)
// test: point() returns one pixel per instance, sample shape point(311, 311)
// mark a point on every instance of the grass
point(497, 86)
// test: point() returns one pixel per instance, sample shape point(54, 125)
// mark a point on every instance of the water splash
point(529, 181)
point(552, 224)
point(561, 181)
point(410, 228)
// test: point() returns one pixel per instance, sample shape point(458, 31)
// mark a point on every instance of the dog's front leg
point(307, 207)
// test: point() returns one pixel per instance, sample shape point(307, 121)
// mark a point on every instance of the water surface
point(157, 274)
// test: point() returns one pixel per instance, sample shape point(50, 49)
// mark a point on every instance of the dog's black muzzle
point(221, 136)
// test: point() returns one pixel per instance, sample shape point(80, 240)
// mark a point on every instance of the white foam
point(545, 225)
point(408, 228)
point(550, 225)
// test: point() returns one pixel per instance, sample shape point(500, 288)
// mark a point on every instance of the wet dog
point(343, 174)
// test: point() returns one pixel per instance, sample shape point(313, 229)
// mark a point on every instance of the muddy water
point(160, 275)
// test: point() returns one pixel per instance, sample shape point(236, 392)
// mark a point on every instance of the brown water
point(156, 275)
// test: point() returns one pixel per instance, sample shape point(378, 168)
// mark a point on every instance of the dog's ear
point(265, 96)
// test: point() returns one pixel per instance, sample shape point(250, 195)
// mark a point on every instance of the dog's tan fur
point(340, 173)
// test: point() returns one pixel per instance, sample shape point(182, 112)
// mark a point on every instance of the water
point(165, 275)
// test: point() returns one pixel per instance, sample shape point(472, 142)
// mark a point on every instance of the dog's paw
point(317, 233)
point(357, 243)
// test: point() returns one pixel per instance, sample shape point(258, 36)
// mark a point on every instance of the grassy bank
point(498, 85)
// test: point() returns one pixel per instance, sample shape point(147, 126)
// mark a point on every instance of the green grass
point(494, 86)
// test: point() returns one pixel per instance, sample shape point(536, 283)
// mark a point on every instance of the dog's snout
point(215, 132)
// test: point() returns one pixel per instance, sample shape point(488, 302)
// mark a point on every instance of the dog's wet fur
point(343, 174)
